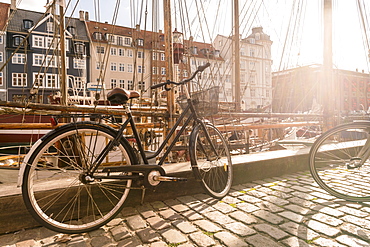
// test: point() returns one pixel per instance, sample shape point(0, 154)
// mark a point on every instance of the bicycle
point(77, 177)
point(339, 161)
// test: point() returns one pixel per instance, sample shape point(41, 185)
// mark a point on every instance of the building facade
point(299, 90)
point(34, 57)
point(255, 69)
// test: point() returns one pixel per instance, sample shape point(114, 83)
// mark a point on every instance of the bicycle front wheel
point(339, 161)
point(59, 188)
point(210, 160)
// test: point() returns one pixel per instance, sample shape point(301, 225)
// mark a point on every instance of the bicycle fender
point(25, 162)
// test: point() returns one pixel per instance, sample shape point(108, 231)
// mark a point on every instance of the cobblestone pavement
point(282, 211)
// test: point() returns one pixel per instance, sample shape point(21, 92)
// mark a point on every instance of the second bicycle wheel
point(60, 189)
point(339, 161)
point(212, 167)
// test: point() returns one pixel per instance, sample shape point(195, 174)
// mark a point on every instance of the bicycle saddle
point(121, 96)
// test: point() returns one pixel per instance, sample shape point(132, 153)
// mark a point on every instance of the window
point(113, 51)
point(162, 57)
point(155, 70)
point(38, 41)
point(121, 52)
point(121, 67)
point(100, 65)
point(141, 85)
point(1, 39)
point(139, 69)
point(121, 83)
point(140, 42)
point(129, 53)
point(100, 49)
point(38, 80)
point(140, 54)
point(1, 78)
point(129, 68)
point(71, 30)
point(19, 58)
point(119, 40)
point(51, 81)
point(163, 71)
point(98, 36)
point(50, 27)
point(27, 24)
point(251, 52)
point(19, 79)
point(80, 48)
point(130, 85)
point(111, 39)
point(38, 59)
point(1, 56)
point(155, 56)
point(127, 41)
point(18, 40)
point(50, 43)
point(79, 63)
point(51, 61)
point(113, 83)
point(79, 82)
point(113, 66)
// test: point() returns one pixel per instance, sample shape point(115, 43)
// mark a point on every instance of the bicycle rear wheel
point(58, 191)
point(339, 163)
point(213, 169)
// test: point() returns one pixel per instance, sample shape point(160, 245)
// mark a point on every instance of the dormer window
point(98, 36)
point(140, 42)
point(50, 27)
point(27, 24)
point(71, 30)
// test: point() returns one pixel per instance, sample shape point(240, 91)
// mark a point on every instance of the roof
point(16, 23)
point(152, 40)
point(4, 12)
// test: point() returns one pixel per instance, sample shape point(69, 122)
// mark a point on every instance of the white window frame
point(113, 51)
point(39, 78)
point(121, 52)
point(51, 81)
point(19, 58)
point(38, 59)
point(113, 66)
point(129, 68)
point(21, 79)
point(38, 41)
point(121, 67)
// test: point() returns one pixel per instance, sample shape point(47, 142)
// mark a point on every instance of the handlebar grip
point(159, 85)
point(203, 67)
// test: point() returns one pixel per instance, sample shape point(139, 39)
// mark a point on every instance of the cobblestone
point(282, 211)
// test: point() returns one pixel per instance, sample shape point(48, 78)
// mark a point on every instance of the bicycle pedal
point(169, 179)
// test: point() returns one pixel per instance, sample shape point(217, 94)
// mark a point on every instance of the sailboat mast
point(63, 70)
point(236, 52)
point(328, 87)
point(168, 56)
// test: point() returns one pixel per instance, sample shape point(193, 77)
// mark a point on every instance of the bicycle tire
point(335, 162)
point(214, 171)
point(54, 186)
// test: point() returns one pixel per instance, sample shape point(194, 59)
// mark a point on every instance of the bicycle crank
point(154, 178)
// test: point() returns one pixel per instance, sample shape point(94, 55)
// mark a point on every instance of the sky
point(299, 45)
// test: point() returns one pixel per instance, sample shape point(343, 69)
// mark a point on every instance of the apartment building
point(33, 51)
point(255, 68)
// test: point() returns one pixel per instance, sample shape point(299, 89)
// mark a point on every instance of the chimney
point(82, 15)
point(137, 27)
point(86, 16)
point(13, 5)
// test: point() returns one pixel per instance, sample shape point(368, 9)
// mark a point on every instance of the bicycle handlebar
point(168, 82)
